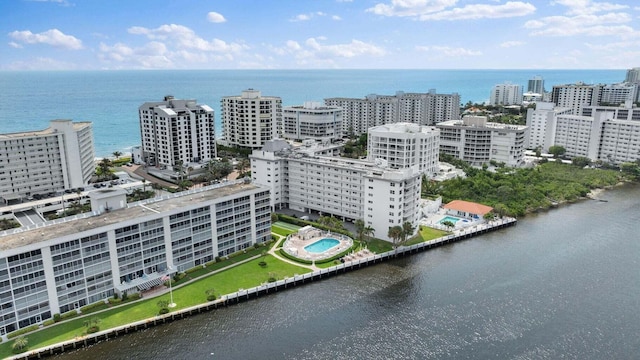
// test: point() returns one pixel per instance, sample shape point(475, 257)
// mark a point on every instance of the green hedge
point(95, 306)
point(23, 331)
point(296, 259)
point(68, 315)
point(48, 322)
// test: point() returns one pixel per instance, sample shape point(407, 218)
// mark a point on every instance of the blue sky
point(319, 34)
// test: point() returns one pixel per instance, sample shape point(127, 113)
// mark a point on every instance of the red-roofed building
point(467, 209)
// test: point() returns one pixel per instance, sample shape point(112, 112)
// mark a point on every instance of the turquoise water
point(449, 218)
point(321, 245)
point(110, 99)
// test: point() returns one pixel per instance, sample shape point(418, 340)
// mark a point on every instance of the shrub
point(291, 257)
point(163, 311)
point(48, 322)
point(210, 294)
point(68, 315)
point(88, 308)
point(20, 345)
point(25, 330)
point(57, 317)
point(262, 264)
point(272, 279)
point(124, 296)
point(134, 297)
point(114, 301)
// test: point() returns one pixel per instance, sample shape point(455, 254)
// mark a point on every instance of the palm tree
point(92, 324)
point(104, 168)
point(395, 233)
point(368, 232)
point(360, 226)
point(117, 154)
point(20, 344)
point(144, 184)
point(407, 230)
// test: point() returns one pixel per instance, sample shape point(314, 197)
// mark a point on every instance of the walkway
point(275, 254)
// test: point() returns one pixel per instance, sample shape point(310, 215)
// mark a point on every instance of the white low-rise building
point(38, 162)
point(350, 189)
point(477, 141)
point(62, 265)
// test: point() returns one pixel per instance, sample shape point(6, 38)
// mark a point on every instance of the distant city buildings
point(176, 132)
point(633, 75)
point(420, 108)
point(506, 94)
point(575, 96)
point(43, 161)
point(250, 120)
point(477, 141)
point(312, 120)
point(57, 267)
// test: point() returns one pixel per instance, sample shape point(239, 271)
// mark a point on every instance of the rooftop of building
point(480, 124)
point(11, 239)
point(48, 131)
point(468, 206)
point(404, 127)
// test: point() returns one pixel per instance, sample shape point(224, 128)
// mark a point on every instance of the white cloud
point(336, 17)
point(587, 24)
point(449, 51)
point(314, 52)
point(483, 11)
point(301, 17)
point(444, 10)
point(53, 37)
point(411, 7)
point(579, 7)
point(348, 50)
point(215, 17)
point(183, 37)
point(40, 63)
point(513, 43)
point(309, 16)
point(15, 45)
point(152, 55)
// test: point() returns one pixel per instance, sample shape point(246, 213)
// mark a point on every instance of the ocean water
point(110, 99)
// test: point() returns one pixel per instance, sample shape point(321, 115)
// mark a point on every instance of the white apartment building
point(38, 162)
point(403, 145)
point(617, 94)
point(477, 141)
point(63, 265)
point(575, 96)
point(542, 126)
point(374, 110)
point(506, 94)
point(250, 120)
point(312, 120)
point(176, 132)
point(347, 188)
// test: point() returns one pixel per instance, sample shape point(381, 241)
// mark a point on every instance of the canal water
point(563, 284)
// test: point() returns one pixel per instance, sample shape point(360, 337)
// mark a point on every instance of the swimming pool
point(452, 219)
point(321, 245)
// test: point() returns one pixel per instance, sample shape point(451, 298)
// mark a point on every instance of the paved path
point(275, 254)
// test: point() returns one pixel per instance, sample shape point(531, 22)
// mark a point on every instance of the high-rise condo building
point(350, 189)
point(633, 75)
point(249, 120)
point(477, 141)
point(176, 132)
point(374, 110)
point(575, 96)
point(38, 162)
point(403, 145)
point(311, 121)
point(506, 94)
point(536, 85)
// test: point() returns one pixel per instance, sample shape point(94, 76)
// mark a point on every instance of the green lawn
point(285, 226)
point(425, 234)
point(379, 246)
point(242, 276)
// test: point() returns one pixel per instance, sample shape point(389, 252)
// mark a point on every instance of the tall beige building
point(38, 162)
point(249, 120)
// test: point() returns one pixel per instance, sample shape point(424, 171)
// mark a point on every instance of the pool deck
point(433, 221)
point(296, 243)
